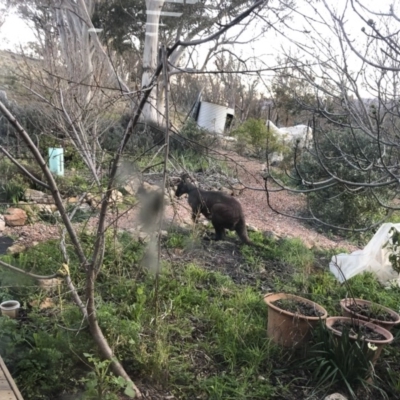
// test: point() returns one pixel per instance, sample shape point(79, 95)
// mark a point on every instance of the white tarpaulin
point(373, 258)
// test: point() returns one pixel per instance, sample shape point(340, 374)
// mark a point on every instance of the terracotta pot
point(289, 329)
point(378, 343)
point(346, 312)
point(10, 308)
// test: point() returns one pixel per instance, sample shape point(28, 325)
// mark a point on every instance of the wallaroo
point(225, 212)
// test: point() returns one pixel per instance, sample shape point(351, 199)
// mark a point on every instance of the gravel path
point(261, 216)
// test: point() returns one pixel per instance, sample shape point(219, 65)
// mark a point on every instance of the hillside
point(12, 65)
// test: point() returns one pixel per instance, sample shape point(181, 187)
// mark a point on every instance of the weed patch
point(196, 330)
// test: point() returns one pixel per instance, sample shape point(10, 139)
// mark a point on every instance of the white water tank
point(213, 117)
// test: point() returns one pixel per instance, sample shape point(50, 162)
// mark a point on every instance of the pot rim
point(344, 302)
point(14, 305)
point(270, 297)
point(389, 337)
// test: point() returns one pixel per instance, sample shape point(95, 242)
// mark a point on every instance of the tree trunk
point(150, 56)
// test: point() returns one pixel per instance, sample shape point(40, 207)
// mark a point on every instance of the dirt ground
point(253, 199)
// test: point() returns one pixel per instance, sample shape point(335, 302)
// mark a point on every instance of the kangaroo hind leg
point(219, 232)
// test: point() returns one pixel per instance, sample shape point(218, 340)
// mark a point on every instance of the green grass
point(342, 362)
point(192, 331)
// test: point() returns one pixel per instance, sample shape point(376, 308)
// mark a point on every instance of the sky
point(15, 31)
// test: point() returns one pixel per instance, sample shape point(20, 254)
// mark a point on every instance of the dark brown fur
point(225, 212)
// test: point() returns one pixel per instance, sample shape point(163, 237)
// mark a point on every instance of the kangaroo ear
point(185, 177)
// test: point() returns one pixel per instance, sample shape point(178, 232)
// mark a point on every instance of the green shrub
point(343, 205)
point(192, 138)
point(12, 183)
point(39, 355)
point(101, 384)
point(13, 190)
point(340, 361)
point(254, 135)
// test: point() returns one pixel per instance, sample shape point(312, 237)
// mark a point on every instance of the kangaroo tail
point(241, 231)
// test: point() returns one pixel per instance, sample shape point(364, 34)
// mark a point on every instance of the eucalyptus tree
point(140, 26)
point(135, 29)
point(3, 13)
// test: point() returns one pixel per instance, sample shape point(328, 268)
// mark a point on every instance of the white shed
point(213, 117)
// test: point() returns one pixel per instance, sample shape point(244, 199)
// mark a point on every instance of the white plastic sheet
point(292, 134)
point(373, 258)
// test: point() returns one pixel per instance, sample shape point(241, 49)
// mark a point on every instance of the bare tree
point(67, 83)
point(355, 110)
point(89, 261)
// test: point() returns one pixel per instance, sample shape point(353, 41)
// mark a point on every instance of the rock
point(132, 186)
point(237, 189)
point(143, 237)
point(46, 303)
point(335, 396)
point(167, 200)
point(16, 249)
point(116, 197)
point(229, 139)
point(2, 223)
point(30, 209)
point(47, 208)
point(72, 200)
point(270, 235)
point(177, 251)
point(93, 200)
point(311, 244)
point(226, 191)
point(38, 197)
point(148, 188)
point(50, 285)
point(251, 228)
point(84, 207)
point(15, 217)
point(163, 233)
point(23, 205)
